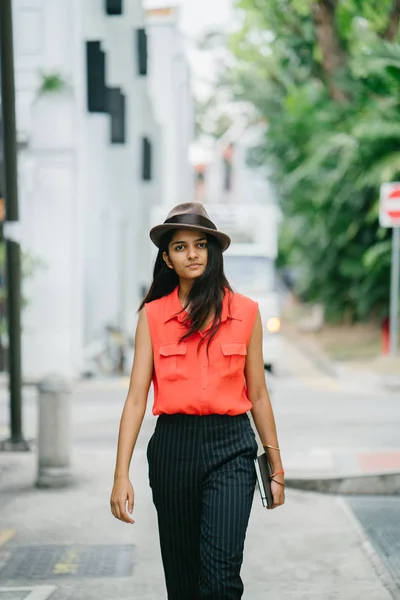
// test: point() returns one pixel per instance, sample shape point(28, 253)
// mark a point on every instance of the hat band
point(192, 220)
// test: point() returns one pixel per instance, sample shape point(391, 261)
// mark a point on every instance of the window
point(141, 49)
point(96, 78)
point(250, 274)
point(146, 160)
point(116, 108)
point(114, 7)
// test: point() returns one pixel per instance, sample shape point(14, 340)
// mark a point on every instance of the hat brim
point(158, 231)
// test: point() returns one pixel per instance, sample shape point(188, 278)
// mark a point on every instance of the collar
point(173, 308)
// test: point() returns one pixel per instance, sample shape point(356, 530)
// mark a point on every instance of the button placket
point(203, 373)
point(203, 378)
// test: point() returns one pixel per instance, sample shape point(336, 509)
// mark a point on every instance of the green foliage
point(209, 119)
point(52, 82)
point(329, 152)
point(29, 266)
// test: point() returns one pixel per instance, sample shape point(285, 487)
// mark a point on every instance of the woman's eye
point(178, 248)
point(203, 245)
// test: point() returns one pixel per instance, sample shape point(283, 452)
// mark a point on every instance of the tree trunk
point(333, 56)
point(393, 24)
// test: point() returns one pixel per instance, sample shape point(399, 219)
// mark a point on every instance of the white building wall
point(95, 185)
point(122, 197)
point(169, 82)
point(151, 192)
point(249, 184)
point(133, 196)
point(50, 212)
point(82, 200)
point(43, 30)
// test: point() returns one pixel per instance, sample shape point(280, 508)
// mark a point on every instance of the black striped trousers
point(202, 476)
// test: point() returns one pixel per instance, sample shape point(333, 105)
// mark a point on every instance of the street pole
point(11, 229)
point(394, 293)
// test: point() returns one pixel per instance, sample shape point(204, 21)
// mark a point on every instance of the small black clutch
point(264, 472)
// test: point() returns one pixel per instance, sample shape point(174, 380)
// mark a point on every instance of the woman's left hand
point(278, 493)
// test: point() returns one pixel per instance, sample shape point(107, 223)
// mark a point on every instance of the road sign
point(389, 205)
point(389, 216)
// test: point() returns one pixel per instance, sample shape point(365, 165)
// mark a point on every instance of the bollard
point(54, 433)
point(385, 336)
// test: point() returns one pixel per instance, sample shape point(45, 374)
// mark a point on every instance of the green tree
point(325, 75)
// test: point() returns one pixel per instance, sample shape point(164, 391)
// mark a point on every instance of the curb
point(369, 549)
point(378, 484)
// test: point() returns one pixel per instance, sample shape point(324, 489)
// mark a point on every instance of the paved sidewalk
point(310, 549)
point(337, 434)
point(65, 544)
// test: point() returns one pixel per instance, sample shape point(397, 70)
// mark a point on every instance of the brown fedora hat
point(190, 215)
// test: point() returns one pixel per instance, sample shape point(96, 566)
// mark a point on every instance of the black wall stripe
point(116, 108)
point(147, 160)
point(114, 7)
point(141, 49)
point(96, 77)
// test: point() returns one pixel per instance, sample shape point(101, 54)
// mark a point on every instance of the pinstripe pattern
point(202, 476)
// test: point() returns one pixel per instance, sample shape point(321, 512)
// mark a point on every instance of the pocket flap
point(173, 349)
point(234, 348)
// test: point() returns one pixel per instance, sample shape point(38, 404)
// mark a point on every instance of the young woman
point(201, 345)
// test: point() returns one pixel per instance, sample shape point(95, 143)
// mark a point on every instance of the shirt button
point(204, 387)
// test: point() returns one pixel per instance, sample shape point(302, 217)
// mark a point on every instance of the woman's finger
point(122, 512)
point(128, 518)
point(116, 512)
point(130, 501)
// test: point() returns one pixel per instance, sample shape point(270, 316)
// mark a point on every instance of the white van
point(250, 263)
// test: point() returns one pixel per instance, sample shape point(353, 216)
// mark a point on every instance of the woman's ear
point(167, 261)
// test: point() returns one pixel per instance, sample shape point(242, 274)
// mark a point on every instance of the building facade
point(231, 174)
point(89, 172)
point(170, 86)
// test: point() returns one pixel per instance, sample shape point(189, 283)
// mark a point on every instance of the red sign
point(389, 206)
point(393, 208)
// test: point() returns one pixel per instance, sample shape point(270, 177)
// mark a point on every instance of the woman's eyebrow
point(185, 241)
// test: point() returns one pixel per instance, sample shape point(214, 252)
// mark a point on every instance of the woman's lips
point(194, 266)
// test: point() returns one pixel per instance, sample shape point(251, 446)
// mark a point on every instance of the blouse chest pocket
point(233, 358)
point(172, 362)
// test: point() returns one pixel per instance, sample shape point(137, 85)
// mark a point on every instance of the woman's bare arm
point(135, 404)
point(262, 412)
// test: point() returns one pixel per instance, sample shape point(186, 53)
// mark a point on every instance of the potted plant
point(53, 114)
point(52, 83)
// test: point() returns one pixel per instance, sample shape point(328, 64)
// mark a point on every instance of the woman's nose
point(192, 251)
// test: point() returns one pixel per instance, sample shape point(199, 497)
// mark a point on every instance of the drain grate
point(380, 517)
point(54, 562)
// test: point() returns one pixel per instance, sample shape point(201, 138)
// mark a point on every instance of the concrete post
point(54, 433)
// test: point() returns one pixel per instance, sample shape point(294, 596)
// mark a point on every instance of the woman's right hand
point(278, 491)
point(121, 495)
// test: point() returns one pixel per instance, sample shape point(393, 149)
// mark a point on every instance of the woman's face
point(187, 253)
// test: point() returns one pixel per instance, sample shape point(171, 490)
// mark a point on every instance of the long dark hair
point(206, 294)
